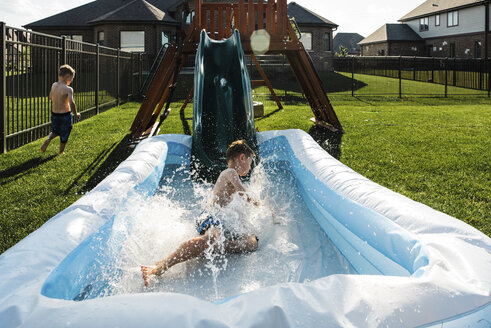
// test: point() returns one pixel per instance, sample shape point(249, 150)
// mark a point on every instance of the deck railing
point(246, 16)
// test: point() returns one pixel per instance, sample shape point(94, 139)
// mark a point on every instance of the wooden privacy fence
point(30, 61)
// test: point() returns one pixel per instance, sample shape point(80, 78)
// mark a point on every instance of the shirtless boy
point(239, 158)
point(61, 95)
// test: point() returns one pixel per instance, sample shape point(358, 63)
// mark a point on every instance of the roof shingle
point(431, 7)
point(392, 32)
point(136, 10)
point(348, 40)
point(96, 10)
point(304, 16)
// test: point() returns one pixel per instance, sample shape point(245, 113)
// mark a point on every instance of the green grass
point(27, 112)
point(433, 150)
point(34, 186)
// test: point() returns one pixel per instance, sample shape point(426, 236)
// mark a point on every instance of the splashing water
point(292, 246)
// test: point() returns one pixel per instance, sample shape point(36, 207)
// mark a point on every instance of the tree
point(343, 52)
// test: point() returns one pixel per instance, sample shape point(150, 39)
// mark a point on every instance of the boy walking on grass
point(239, 158)
point(61, 95)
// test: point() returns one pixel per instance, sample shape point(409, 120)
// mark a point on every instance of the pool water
point(292, 246)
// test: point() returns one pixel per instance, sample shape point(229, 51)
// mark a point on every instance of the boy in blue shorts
point(239, 158)
point(61, 95)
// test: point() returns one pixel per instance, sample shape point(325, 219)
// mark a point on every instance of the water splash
point(292, 247)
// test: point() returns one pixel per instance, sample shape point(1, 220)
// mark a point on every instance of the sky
point(360, 16)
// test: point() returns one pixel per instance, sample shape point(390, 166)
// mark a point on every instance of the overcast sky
point(360, 16)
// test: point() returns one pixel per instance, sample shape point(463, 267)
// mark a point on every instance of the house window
point(452, 50)
point(477, 49)
point(453, 18)
point(100, 38)
point(76, 37)
point(306, 40)
point(381, 52)
point(437, 20)
point(327, 41)
point(430, 50)
point(133, 41)
point(165, 37)
point(424, 24)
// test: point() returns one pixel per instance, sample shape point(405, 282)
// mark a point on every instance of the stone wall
point(112, 35)
point(434, 47)
point(375, 49)
point(322, 59)
point(87, 33)
point(464, 45)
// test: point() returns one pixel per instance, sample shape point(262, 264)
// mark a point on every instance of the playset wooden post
point(247, 17)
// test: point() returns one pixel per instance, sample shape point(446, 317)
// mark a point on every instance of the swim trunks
point(61, 124)
point(206, 220)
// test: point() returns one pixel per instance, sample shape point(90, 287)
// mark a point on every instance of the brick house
point(316, 34)
point(393, 40)
point(144, 25)
point(449, 28)
point(138, 25)
point(349, 41)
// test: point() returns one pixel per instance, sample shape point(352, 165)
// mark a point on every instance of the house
point(349, 41)
point(17, 50)
point(393, 40)
point(144, 25)
point(316, 33)
point(137, 25)
point(449, 28)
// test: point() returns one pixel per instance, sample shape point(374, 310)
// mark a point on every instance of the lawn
point(433, 150)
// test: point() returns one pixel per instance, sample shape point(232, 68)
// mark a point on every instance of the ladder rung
point(257, 83)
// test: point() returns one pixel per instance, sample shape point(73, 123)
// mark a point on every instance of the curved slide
point(223, 110)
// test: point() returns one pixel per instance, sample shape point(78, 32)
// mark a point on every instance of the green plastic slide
point(223, 110)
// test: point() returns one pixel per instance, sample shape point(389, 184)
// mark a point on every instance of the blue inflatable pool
point(351, 253)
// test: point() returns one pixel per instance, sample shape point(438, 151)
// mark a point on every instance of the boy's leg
point(62, 147)
point(242, 244)
point(45, 145)
point(186, 251)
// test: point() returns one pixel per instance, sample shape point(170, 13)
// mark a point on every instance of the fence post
point(454, 72)
point(63, 50)
point(3, 87)
point(433, 70)
point(352, 76)
point(97, 77)
point(488, 64)
point(140, 82)
point(446, 76)
point(117, 77)
point(400, 77)
point(414, 68)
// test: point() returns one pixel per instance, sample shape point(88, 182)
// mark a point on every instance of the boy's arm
point(51, 92)
point(235, 181)
point(73, 106)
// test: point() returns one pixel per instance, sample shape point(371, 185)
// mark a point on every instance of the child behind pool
point(208, 225)
point(61, 95)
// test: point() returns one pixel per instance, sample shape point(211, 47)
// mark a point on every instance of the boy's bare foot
point(44, 146)
point(146, 273)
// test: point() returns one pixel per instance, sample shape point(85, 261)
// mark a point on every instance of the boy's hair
point(66, 70)
point(237, 148)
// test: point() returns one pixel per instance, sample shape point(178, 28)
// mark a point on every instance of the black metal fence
point(104, 77)
point(441, 76)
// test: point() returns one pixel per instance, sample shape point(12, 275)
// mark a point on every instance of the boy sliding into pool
point(239, 158)
point(61, 95)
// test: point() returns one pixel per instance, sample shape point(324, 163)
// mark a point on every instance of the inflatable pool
point(357, 254)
